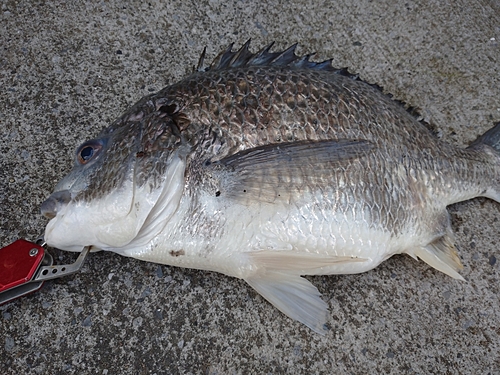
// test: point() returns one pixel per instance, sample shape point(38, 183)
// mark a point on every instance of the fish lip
point(54, 203)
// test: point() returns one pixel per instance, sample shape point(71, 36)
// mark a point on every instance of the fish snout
point(54, 203)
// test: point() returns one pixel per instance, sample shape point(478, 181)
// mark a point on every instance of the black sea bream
point(266, 167)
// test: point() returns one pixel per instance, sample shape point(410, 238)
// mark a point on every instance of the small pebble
point(9, 344)
point(87, 322)
point(492, 260)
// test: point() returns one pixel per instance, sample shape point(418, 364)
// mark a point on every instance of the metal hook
point(54, 272)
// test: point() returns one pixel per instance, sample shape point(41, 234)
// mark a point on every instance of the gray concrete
point(68, 69)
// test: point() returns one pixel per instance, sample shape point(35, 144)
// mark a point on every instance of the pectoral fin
point(299, 154)
point(294, 296)
point(298, 262)
point(275, 171)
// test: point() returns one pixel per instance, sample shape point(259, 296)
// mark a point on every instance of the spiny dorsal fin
point(201, 61)
point(243, 57)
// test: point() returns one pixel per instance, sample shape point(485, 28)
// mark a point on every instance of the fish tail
point(490, 138)
point(490, 142)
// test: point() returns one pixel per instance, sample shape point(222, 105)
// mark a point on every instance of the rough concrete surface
point(68, 68)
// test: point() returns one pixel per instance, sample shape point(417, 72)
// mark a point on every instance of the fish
point(269, 167)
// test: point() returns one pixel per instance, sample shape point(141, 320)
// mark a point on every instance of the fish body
point(267, 166)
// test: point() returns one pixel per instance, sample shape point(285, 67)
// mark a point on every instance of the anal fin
point(294, 296)
point(442, 255)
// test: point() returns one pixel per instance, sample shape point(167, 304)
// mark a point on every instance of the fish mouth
point(54, 203)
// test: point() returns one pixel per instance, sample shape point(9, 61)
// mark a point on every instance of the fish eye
point(88, 151)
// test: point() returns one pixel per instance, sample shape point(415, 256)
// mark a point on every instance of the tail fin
point(490, 138)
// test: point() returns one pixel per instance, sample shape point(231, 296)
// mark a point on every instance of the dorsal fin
point(243, 57)
point(201, 61)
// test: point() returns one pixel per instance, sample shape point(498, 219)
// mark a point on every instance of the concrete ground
point(67, 69)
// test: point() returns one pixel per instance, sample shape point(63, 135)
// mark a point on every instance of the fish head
point(124, 186)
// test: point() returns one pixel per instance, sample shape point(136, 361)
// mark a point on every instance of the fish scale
point(268, 166)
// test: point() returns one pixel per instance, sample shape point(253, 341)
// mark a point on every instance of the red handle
point(18, 263)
